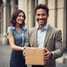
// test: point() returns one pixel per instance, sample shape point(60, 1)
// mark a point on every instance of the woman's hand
point(23, 48)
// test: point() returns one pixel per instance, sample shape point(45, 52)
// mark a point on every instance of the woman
point(16, 36)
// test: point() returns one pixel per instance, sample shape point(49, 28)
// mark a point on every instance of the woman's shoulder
point(11, 27)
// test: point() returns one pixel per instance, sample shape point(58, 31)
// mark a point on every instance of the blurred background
point(57, 18)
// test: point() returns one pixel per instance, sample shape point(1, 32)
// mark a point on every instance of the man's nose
point(40, 16)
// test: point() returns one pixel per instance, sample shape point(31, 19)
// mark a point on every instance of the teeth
point(40, 20)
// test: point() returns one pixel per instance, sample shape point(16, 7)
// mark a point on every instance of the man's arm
point(27, 43)
point(58, 45)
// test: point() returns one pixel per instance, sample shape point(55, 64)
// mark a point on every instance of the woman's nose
point(22, 17)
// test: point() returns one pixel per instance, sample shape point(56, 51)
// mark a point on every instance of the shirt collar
point(24, 28)
point(45, 27)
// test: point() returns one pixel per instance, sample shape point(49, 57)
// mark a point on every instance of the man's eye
point(38, 14)
point(43, 14)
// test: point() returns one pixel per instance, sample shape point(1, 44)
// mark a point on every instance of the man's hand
point(47, 54)
point(24, 51)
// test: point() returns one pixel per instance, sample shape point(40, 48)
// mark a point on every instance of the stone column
point(41, 1)
point(12, 6)
point(21, 4)
point(4, 23)
point(61, 20)
point(31, 13)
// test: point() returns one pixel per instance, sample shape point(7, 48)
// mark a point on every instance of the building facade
point(57, 15)
point(6, 9)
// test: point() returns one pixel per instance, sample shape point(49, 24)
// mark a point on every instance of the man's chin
point(42, 23)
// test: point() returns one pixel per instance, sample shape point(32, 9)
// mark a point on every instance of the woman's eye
point(19, 15)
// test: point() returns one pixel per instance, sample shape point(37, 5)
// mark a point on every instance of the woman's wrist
point(22, 48)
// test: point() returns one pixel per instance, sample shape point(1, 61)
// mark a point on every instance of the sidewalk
point(62, 59)
point(4, 55)
point(5, 52)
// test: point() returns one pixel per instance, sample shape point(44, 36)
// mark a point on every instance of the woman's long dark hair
point(14, 16)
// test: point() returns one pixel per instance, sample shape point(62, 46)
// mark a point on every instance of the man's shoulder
point(32, 29)
point(53, 29)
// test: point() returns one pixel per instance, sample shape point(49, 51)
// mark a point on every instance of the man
point(45, 36)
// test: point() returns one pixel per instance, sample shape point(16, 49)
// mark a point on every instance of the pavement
point(5, 52)
point(4, 55)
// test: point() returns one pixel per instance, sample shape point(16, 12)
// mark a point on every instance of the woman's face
point(20, 18)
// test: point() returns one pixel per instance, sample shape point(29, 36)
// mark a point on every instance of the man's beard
point(43, 23)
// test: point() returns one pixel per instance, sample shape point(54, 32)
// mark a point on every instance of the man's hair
point(42, 6)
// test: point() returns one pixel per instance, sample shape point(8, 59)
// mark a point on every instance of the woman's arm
point(12, 43)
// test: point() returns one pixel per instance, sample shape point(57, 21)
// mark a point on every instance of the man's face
point(41, 16)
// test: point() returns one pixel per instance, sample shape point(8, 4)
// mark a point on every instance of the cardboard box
point(34, 56)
